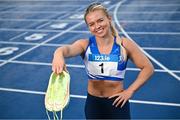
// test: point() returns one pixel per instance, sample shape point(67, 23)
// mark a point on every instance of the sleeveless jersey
point(104, 66)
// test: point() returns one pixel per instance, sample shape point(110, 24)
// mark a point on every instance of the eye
point(101, 20)
point(91, 24)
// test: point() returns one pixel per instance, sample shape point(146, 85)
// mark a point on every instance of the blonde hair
point(99, 6)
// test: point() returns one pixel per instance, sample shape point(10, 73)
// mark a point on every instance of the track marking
point(84, 97)
point(77, 20)
point(40, 44)
point(148, 55)
point(71, 5)
point(46, 41)
point(38, 27)
point(161, 49)
point(59, 12)
point(57, 45)
point(77, 66)
point(17, 36)
point(85, 31)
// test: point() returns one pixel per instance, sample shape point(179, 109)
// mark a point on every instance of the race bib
point(100, 64)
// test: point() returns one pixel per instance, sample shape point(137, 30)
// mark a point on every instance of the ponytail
point(118, 41)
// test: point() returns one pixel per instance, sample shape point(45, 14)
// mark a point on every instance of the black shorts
point(102, 108)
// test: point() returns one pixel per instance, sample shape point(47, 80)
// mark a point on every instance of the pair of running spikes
point(57, 95)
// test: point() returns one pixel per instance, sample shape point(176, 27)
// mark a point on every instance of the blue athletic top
point(104, 66)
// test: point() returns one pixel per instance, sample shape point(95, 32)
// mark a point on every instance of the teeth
point(99, 31)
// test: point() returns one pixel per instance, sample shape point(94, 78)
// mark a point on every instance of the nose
point(97, 26)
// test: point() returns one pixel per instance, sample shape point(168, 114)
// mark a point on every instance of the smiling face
point(98, 23)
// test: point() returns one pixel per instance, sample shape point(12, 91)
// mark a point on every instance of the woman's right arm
point(58, 63)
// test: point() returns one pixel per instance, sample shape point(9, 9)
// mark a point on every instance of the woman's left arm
point(146, 70)
point(141, 61)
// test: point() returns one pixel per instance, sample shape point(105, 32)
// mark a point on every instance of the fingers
point(121, 99)
point(58, 65)
point(57, 69)
point(115, 95)
point(118, 101)
point(123, 103)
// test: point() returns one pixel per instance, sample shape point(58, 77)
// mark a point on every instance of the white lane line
point(32, 43)
point(57, 45)
point(41, 20)
point(43, 5)
point(79, 31)
point(155, 103)
point(59, 12)
point(43, 25)
point(22, 34)
point(150, 57)
point(78, 20)
point(22, 91)
point(40, 44)
point(151, 21)
point(71, 5)
point(46, 41)
point(161, 49)
point(84, 97)
point(44, 0)
point(41, 0)
point(152, 5)
point(77, 66)
point(15, 37)
point(154, 33)
point(40, 26)
point(33, 12)
point(150, 12)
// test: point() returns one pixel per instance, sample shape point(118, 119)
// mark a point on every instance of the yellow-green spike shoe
point(57, 95)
